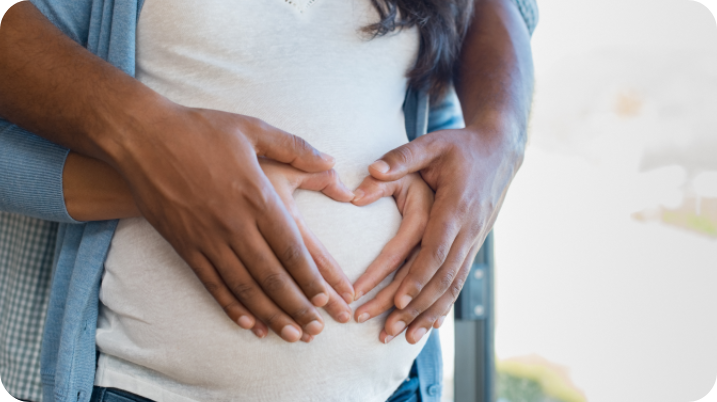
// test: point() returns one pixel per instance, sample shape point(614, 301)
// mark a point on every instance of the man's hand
point(470, 182)
point(470, 169)
point(194, 173)
point(286, 180)
point(196, 178)
point(95, 191)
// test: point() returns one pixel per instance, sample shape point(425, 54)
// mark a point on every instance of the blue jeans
point(409, 391)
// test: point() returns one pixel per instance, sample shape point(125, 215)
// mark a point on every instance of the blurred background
point(606, 247)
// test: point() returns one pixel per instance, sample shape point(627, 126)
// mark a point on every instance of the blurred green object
point(698, 223)
point(534, 379)
point(517, 389)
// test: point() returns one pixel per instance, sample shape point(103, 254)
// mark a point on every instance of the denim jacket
point(31, 184)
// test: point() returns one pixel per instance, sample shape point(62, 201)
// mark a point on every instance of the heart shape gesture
point(414, 200)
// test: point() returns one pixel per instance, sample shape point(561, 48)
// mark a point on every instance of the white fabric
point(302, 66)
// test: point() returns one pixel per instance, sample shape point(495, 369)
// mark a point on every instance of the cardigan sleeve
point(72, 17)
point(31, 175)
point(529, 11)
point(31, 167)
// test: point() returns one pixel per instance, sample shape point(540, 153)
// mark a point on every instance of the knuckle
point(300, 143)
point(412, 312)
point(292, 254)
point(244, 291)
point(414, 287)
point(462, 207)
point(212, 287)
point(303, 314)
point(430, 317)
point(273, 320)
point(476, 227)
point(446, 280)
point(321, 261)
point(456, 288)
point(258, 199)
point(403, 154)
point(256, 123)
point(274, 283)
point(394, 261)
point(230, 306)
point(440, 253)
point(332, 176)
point(313, 285)
point(333, 305)
point(259, 261)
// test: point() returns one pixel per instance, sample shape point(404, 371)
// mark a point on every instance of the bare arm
point(94, 191)
point(470, 169)
point(193, 173)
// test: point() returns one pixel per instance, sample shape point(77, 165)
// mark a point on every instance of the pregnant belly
point(158, 323)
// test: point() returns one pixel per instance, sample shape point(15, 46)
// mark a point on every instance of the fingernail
point(327, 157)
point(380, 166)
point(388, 339)
point(398, 327)
point(403, 301)
point(245, 322)
point(419, 334)
point(363, 317)
point(320, 300)
point(358, 295)
point(358, 194)
point(440, 321)
point(344, 317)
point(314, 327)
point(258, 332)
point(306, 338)
point(348, 298)
point(290, 334)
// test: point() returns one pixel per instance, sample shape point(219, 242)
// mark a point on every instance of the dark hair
point(442, 25)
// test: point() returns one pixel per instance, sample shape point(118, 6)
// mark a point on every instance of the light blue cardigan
point(31, 184)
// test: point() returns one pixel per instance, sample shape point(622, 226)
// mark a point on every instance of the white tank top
point(302, 66)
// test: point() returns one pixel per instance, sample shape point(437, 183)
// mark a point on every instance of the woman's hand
point(470, 170)
point(414, 200)
point(384, 298)
point(286, 180)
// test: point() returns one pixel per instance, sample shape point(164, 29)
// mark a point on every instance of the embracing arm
point(470, 169)
point(193, 173)
point(94, 191)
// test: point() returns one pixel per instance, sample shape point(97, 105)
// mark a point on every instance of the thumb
point(281, 146)
point(406, 159)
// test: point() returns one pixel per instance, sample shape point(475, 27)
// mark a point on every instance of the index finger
point(281, 146)
point(282, 235)
point(444, 225)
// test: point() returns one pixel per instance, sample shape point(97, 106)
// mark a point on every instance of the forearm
point(494, 75)
point(94, 191)
point(54, 87)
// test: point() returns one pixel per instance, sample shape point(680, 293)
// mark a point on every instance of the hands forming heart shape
point(414, 200)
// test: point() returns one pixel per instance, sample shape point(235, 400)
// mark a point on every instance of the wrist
point(502, 134)
point(122, 128)
point(94, 191)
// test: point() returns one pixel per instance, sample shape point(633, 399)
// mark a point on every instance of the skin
point(193, 173)
point(95, 191)
point(469, 169)
point(113, 118)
